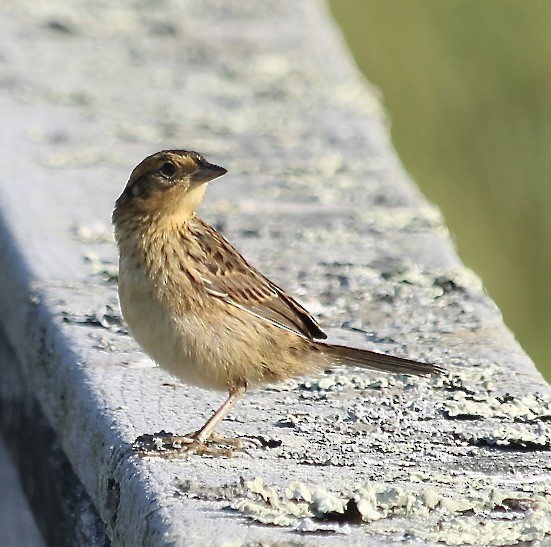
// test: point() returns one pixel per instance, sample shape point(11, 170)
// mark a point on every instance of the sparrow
point(199, 309)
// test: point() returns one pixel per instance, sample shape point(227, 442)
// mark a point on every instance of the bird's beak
point(207, 172)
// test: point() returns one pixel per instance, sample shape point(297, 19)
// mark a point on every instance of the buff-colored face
point(170, 181)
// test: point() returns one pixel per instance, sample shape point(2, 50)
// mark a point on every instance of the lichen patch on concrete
point(460, 516)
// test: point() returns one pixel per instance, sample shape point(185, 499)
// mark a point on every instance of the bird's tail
point(344, 355)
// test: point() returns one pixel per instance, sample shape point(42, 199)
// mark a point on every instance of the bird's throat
point(188, 203)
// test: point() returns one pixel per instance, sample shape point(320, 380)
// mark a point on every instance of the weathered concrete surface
point(316, 197)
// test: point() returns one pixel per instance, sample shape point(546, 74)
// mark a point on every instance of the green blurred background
point(467, 87)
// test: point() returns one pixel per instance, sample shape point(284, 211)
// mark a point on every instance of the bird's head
point(171, 182)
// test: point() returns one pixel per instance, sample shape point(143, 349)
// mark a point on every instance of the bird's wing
point(228, 276)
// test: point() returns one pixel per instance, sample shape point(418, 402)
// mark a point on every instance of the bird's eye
point(167, 170)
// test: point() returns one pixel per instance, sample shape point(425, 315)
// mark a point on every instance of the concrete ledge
point(316, 197)
point(62, 508)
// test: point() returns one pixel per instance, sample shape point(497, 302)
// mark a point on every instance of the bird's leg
point(235, 395)
point(203, 441)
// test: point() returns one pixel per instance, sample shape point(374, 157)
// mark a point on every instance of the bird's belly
point(215, 348)
point(174, 342)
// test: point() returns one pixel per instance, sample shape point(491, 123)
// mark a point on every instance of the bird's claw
point(169, 446)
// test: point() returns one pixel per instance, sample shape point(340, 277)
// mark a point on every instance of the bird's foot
point(169, 446)
point(240, 444)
